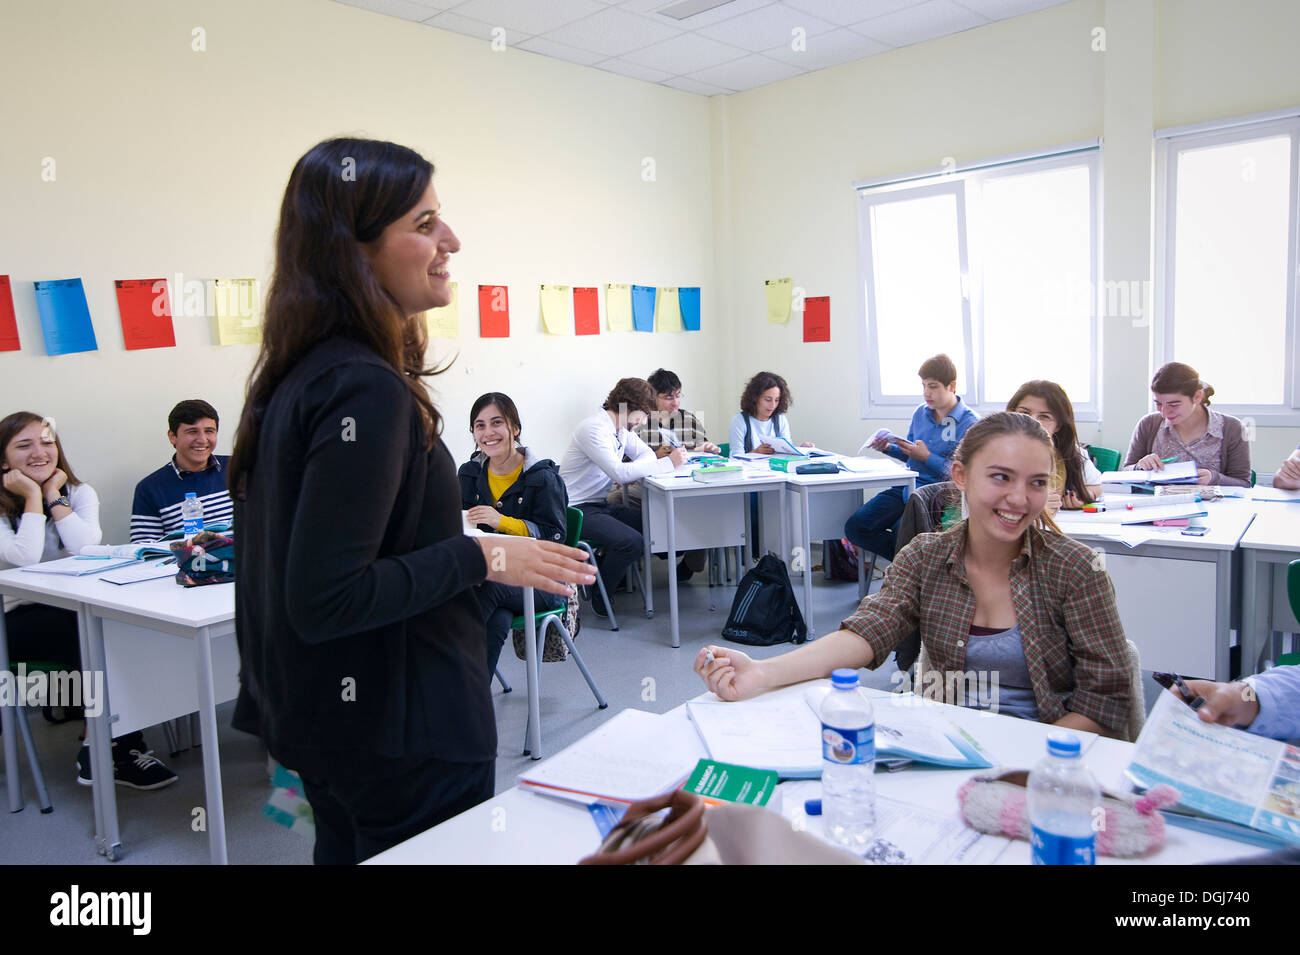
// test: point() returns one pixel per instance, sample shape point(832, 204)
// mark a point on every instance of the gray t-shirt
point(998, 661)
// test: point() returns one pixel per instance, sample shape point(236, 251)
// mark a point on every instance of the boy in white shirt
point(595, 460)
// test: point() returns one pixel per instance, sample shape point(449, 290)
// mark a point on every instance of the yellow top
point(498, 484)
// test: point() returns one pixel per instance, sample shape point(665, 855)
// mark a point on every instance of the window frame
point(1169, 145)
point(964, 183)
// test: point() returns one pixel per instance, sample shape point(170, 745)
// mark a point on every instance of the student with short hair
point(46, 513)
point(763, 405)
point(594, 461)
point(1002, 593)
point(938, 424)
point(507, 489)
point(1185, 429)
point(156, 509)
point(1075, 479)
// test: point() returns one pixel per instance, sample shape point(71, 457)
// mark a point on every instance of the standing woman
point(1075, 479)
point(1183, 428)
point(507, 489)
point(360, 639)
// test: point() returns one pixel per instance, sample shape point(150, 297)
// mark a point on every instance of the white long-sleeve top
point(594, 459)
point(39, 538)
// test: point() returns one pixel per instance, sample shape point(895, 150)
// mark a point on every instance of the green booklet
point(730, 783)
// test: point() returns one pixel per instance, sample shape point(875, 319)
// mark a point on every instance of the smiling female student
point(1002, 592)
point(1183, 428)
point(1075, 479)
point(507, 489)
point(763, 405)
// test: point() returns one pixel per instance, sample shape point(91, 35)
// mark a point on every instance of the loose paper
point(643, 308)
point(618, 307)
point(817, 319)
point(146, 313)
point(444, 322)
point(668, 314)
point(557, 317)
point(586, 311)
point(779, 293)
point(65, 317)
point(493, 311)
point(8, 323)
point(689, 301)
point(238, 322)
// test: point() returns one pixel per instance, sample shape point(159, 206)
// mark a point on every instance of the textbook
point(78, 566)
point(1181, 472)
point(781, 732)
point(1220, 772)
point(712, 475)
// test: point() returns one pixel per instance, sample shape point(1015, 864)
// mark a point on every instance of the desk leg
point(1223, 616)
point(8, 725)
point(804, 495)
point(747, 551)
point(783, 500)
point(671, 514)
point(648, 595)
point(108, 839)
point(534, 740)
point(211, 757)
point(1250, 619)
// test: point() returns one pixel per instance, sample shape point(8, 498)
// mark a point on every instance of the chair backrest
point(1137, 715)
point(573, 532)
point(1253, 477)
point(1293, 587)
point(1106, 459)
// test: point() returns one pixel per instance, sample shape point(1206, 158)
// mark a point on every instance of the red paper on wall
point(8, 323)
point(493, 311)
point(586, 311)
point(146, 313)
point(817, 319)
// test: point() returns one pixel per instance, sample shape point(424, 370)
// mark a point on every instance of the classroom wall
point(170, 160)
point(795, 147)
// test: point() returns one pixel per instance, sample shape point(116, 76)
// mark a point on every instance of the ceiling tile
point(694, 86)
point(746, 72)
point(734, 8)
point(624, 68)
point(1001, 9)
point(845, 12)
point(685, 53)
point(406, 9)
point(935, 18)
point(763, 29)
point(612, 32)
point(829, 49)
point(528, 16)
point(547, 47)
point(476, 28)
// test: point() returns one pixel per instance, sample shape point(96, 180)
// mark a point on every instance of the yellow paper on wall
point(618, 307)
point(237, 311)
point(779, 293)
point(444, 322)
point(557, 309)
point(668, 311)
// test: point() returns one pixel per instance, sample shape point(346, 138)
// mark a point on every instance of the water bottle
point(1062, 796)
point(191, 515)
point(848, 762)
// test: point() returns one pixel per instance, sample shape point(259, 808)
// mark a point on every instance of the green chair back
point(1293, 587)
point(574, 529)
point(726, 449)
point(1252, 477)
point(1106, 459)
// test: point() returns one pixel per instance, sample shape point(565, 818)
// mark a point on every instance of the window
point(994, 264)
point(1227, 260)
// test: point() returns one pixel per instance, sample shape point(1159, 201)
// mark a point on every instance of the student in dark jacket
point(506, 489)
point(360, 639)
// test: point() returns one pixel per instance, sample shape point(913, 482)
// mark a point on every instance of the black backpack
point(764, 612)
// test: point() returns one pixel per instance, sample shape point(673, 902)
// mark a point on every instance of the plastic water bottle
point(191, 514)
point(1062, 796)
point(848, 762)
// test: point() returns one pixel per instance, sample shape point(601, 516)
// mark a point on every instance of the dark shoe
point(684, 573)
point(597, 605)
point(83, 765)
point(140, 769)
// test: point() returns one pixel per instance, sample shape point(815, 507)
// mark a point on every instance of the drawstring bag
point(206, 558)
point(764, 612)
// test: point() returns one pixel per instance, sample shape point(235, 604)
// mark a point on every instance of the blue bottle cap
point(190, 494)
point(844, 678)
point(1065, 745)
point(812, 807)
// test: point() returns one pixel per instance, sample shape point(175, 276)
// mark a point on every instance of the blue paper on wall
point(65, 317)
point(689, 300)
point(643, 308)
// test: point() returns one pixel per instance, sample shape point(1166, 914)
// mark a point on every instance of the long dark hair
point(341, 195)
point(759, 384)
point(11, 505)
point(995, 426)
point(1066, 438)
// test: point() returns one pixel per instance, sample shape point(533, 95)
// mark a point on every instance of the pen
point(1169, 460)
point(708, 655)
point(1168, 680)
point(92, 558)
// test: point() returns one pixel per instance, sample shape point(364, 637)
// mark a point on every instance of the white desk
point(1270, 543)
point(1174, 592)
point(679, 513)
point(130, 633)
point(523, 828)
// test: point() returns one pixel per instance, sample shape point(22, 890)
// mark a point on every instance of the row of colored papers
point(816, 309)
point(575, 310)
point(145, 309)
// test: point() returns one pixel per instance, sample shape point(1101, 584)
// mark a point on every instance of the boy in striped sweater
point(156, 511)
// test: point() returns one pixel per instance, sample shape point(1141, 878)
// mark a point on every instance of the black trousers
point(616, 529)
point(360, 816)
point(500, 604)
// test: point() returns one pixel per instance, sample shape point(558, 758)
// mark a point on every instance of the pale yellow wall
point(170, 160)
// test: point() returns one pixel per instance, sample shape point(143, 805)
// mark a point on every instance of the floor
point(634, 667)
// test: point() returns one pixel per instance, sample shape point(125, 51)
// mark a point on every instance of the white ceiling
point(737, 45)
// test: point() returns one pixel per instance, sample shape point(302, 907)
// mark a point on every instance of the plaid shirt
point(1064, 603)
point(684, 424)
